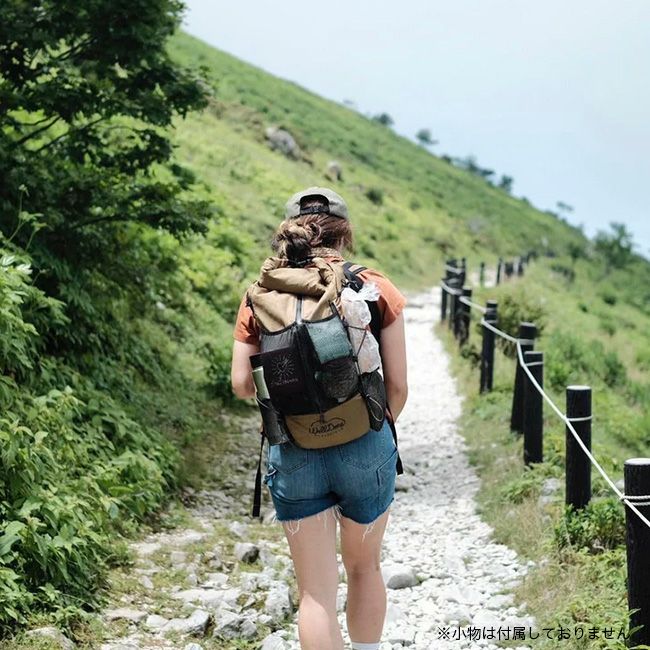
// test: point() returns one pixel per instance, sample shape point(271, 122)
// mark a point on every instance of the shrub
point(597, 527)
point(571, 359)
point(219, 357)
point(375, 195)
point(514, 308)
point(75, 470)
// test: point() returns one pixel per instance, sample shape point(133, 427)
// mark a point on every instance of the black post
point(481, 274)
point(636, 474)
point(451, 281)
point(578, 465)
point(533, 409)
point(465, 318)
point(487, 348)
point(443, 298)
point(463, 275)
point(499, 265)
point(527, 333)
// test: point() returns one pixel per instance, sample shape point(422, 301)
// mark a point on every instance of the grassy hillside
point(428, 205)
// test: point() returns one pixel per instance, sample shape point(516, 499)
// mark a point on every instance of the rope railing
point(451, 290)
point(642, 499)
point(473, 305)
point(569, 424)
point(527, 418)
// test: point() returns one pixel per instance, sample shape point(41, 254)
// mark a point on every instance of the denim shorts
point(358, 477)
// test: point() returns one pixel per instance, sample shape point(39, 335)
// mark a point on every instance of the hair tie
point(300, 263)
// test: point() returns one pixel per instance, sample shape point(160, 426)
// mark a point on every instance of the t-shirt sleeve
point(246, 329)
point(391, 301)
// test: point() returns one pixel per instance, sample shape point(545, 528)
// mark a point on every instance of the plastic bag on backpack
point(357, 314)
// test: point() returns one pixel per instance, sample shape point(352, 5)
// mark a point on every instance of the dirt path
point(218, 579)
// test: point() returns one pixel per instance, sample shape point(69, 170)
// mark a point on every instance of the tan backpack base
point(341, 424)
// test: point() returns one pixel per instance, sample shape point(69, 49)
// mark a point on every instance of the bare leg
point(312, 542)
point(366, 602)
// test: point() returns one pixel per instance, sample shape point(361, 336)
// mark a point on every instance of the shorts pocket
point(370, 450)
point(387, 471)
point(287, 457)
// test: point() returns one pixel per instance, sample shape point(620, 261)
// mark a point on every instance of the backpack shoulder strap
point(356, 282)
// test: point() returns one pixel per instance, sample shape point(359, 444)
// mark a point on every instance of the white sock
point(356, 645)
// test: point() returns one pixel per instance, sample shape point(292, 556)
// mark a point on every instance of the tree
point(424, 138)
point(615, 247)
point(505, 183)
point(384, 118)
point(87, 93)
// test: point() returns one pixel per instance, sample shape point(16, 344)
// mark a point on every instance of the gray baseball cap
point(335, 204)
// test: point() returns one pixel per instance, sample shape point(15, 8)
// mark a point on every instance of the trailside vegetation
point(94, 210)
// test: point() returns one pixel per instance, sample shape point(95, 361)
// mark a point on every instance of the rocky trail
point(219, 579)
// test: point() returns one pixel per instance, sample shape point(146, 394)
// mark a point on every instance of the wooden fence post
point(637, 483)
point(533, 409)
point(463, 268)
point(487, 348)
point(499, 269)
point(527, 333)
point(465, 317)
point(578, 465)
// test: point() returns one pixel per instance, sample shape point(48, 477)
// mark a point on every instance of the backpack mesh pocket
point(374, 394)
point(330, 339)
point(338, 379)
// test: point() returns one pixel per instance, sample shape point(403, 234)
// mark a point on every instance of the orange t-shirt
point(391, 302)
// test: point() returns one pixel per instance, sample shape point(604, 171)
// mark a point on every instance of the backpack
point(310, 389)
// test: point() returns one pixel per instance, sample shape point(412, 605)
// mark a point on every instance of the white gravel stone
point(53, 635)
point(126, 614)
point(246, 551)
point(399, 576)
point(274, 642)
point(155, 622)
point(177, 558)
point(196, 623)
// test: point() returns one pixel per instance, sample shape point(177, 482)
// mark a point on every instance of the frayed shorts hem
point(293, 525)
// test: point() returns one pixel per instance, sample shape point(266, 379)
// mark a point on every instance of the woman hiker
point(340, 481)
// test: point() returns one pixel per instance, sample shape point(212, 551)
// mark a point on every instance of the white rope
point(503, 335)
point(466, 301)
point(567, 421)
point(453, 269)
point(448, 289)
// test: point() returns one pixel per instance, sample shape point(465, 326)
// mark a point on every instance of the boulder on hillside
point(334, 171)
point(281, 140)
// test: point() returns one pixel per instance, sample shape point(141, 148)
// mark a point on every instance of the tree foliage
point(87, 93)
point(384, 118)
point(616, 246)
point(425, 138)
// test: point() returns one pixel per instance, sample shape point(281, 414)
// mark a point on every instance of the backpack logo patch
point(283, 371)
point(327, 428)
